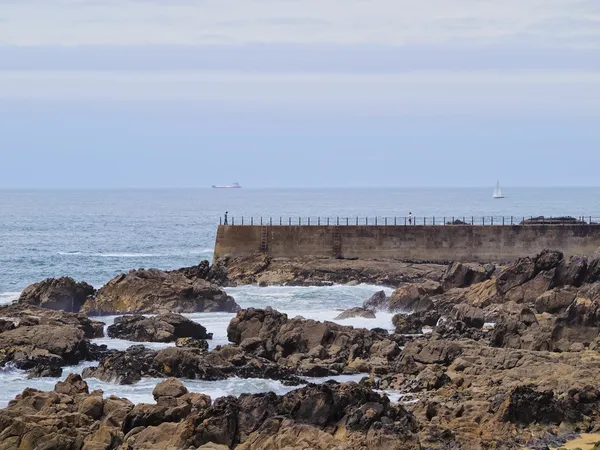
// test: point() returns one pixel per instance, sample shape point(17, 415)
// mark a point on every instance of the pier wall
point(406, 243)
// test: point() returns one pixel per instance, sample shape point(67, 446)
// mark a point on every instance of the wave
point(135, 254)
point(8, 297)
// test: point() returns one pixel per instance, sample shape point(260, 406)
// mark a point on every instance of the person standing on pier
point(225, 222)
point(410, 218)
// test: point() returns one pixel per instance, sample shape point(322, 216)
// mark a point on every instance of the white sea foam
point(180, 253)
point(7, 298)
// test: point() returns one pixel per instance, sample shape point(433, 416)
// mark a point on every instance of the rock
point(216, 274)
point(63, 294)
point(298, 342)
point(171, 387)
point(72, 386)
point(518, 273)
point(555, 300)
point(572, 273)
point(411, 298)
point(547, 260)
point(356, 312)
point(593, 271)
point(199, 344)
point(407, 324)
point(43, 349)
point(378, 301)
point(161, 328)
point(433, 352)
point(14, 316)
point(471, 316)
point(580, 323)
point(158, 292)
point(529, 291)
point(461, 275)
point(525, 406)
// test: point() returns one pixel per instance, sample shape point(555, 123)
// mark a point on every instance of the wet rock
point(171, 387)
point(432, 352)
point(158, 292)
point(14, 316)
point(593, 271)
point(548, 260)
point(529, 291)
point(408, 324)
point(216, 274)
point(161, 328)
point(378, 301)
point(199, 344)
point(63, 294)
point(356, 312)
point(126, 367)
point(461, 275)
point(525, 406)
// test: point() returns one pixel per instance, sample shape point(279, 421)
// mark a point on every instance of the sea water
point(95, 235)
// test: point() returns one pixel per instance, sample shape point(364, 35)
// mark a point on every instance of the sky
point(299, 93)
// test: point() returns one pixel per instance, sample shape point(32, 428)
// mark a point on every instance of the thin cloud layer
point(570, 23)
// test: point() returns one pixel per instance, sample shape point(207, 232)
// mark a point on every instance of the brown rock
point(555, 300)
point(461, 275)
point(356, 312)
point(160, 328)
point(171, 387)
point(57, 293)
point(154, 292)
point(412, 298)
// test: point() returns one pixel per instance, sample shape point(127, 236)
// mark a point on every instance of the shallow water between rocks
point(319, 303)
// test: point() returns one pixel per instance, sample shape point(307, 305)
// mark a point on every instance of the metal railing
point(409, 220)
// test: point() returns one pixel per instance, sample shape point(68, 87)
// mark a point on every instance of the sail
point(498, 191)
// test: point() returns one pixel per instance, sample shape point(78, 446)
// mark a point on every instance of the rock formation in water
point(42, 341)
point(157, 292)
point(57, 293)
point(161, 328)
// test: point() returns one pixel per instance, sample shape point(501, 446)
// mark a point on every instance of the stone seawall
point(406, 243)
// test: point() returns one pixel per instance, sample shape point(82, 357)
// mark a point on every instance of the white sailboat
point(498, 192)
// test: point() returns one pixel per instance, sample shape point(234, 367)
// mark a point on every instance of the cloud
point(573, 23)
point(411, 93)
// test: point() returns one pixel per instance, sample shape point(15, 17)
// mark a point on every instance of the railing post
point(492, 219)
point(366, 221)
point(511, 220)
point(444, 220)
point(220, 221)
point(472, 220)
point(261, 221)
point(483, 220)
point(270, 221)
point(356, 220)
point(299, 220)
point(502, 220)
point(434, 220)
point(290, 221)
point(347, 220)
point(386, 221)
point(280, 220)
point(252, 220)
point(233, 221)
point(337, 220)
point(242, 220)
point(375, 220)
point(453, 221)
point(395, 223)
point(424, 220)
point(309, 220)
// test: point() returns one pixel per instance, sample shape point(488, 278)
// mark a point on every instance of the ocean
point(93, 235)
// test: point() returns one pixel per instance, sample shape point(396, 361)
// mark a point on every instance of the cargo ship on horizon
point(230, 186)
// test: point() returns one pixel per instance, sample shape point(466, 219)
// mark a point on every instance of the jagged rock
point(572, 273)
point(555, 300)
point(378, 301)
point(471, 316)
point(216, 274)
point(593, 271)
point(518, 273)
point(461, 275)
point(200, 344)
point(15, 316)
point(548, 260)
point(43, 349)
point(411, 298)
point(407, 324)
point(525, 406)
point(529, 291)
point(154, 292)
point(580, 323)
point(432, 352)
point(290, 342)
point(161, 328)
point(63, 294)
point(356, 312)
point(171, 387)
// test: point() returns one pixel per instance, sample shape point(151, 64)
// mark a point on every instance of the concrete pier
point(489, 243)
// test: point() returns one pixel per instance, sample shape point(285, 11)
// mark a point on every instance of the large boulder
point(377, 301)
point(518, 273)
point(471, 316)
point(572, 272)
point(57, 293)
point(529, 291)
point(555, 300)
point(154, 292)
point(579, 324)
point(415, 297)
point(460, 275)
point(161, 328)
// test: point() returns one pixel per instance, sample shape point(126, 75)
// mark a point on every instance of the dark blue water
point(97, 234)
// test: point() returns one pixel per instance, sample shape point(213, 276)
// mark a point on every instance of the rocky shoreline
point(509, 359)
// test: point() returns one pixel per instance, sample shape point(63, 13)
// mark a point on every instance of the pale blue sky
point(141, 93)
